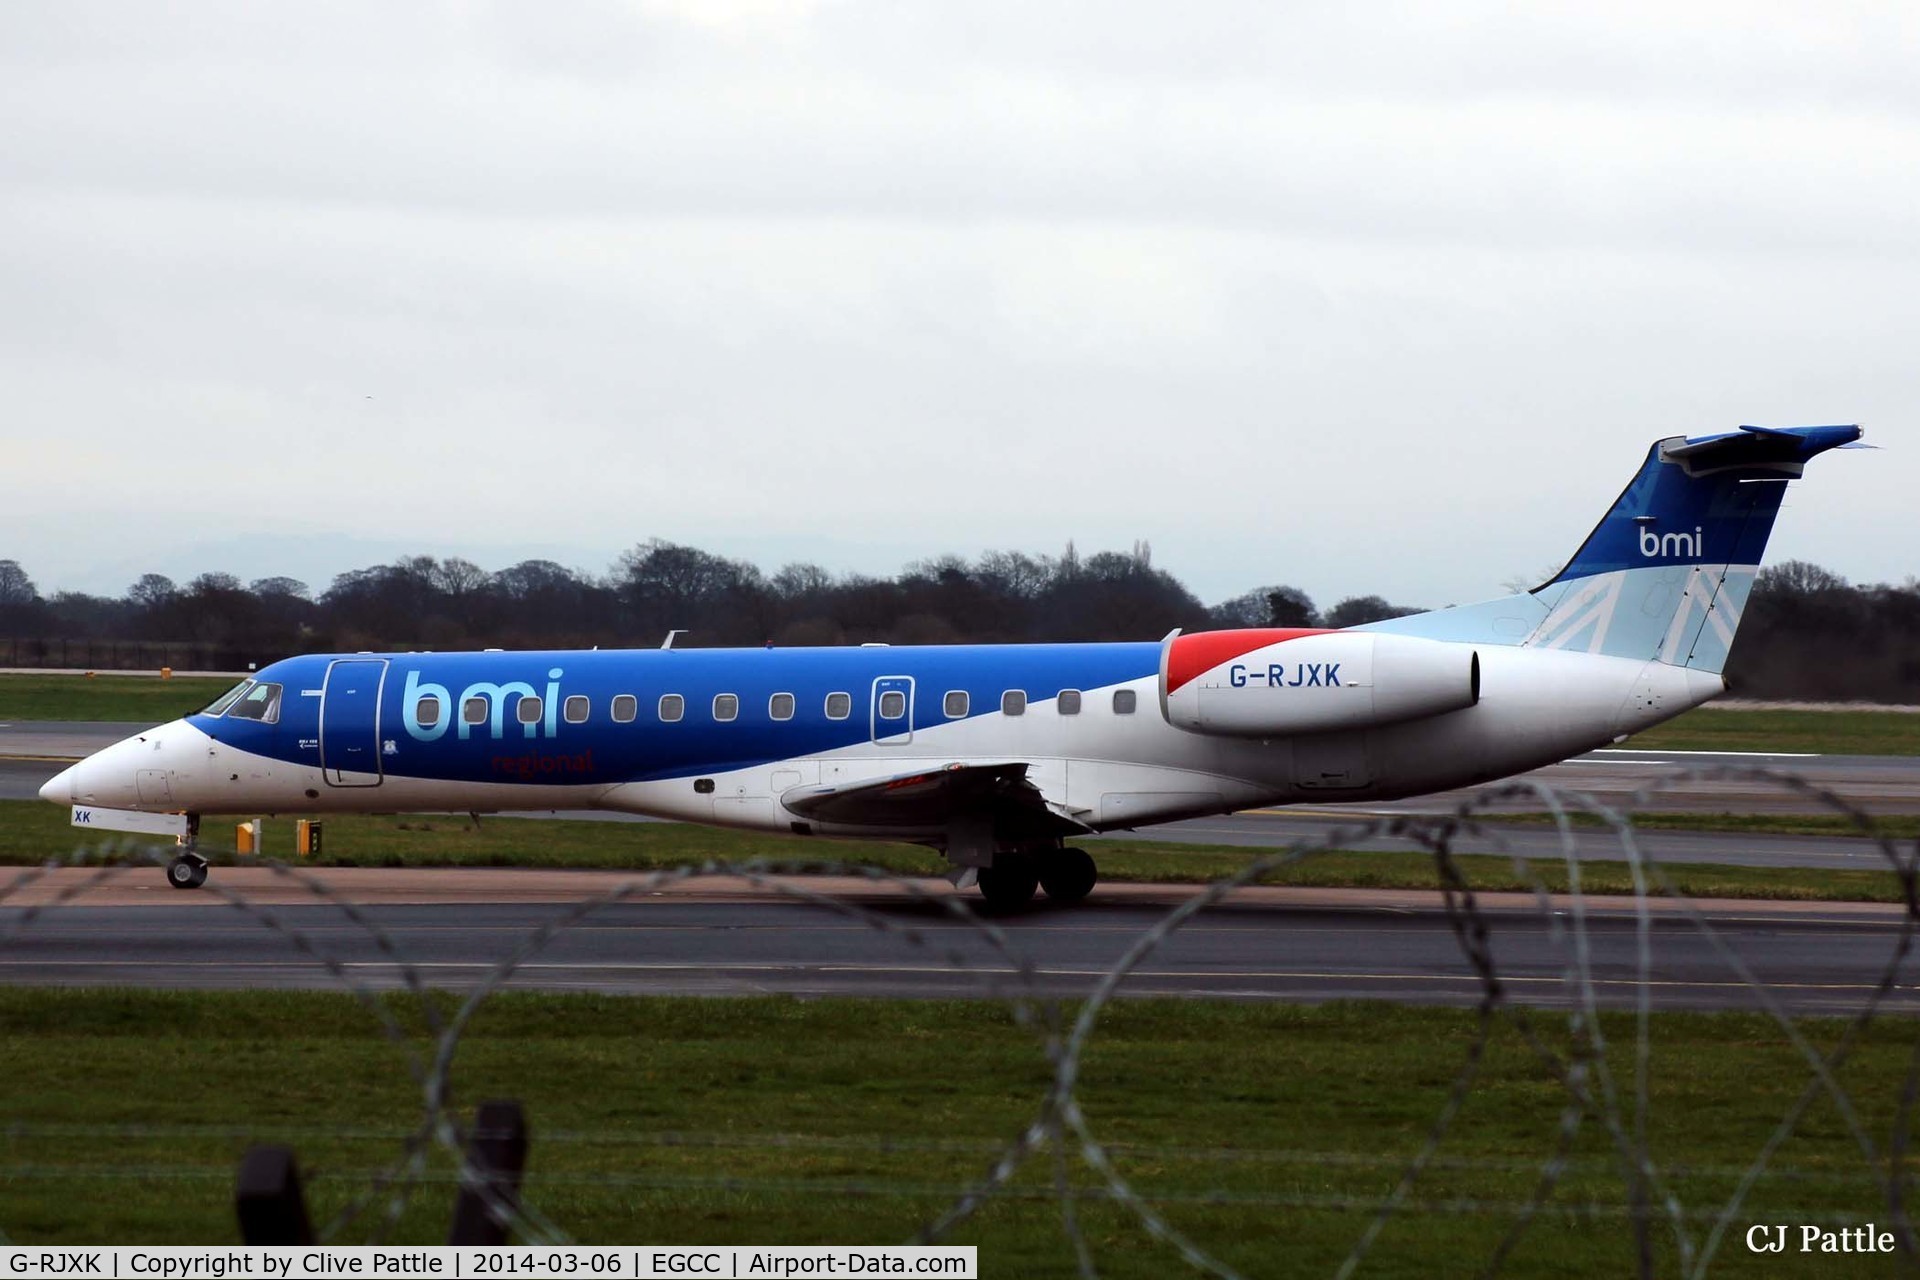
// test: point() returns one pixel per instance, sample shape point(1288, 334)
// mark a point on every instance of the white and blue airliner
point(1001, 756)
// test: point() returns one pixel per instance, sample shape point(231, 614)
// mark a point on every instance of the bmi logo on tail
point(1653, 545)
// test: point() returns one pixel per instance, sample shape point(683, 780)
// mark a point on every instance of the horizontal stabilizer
point(1784, 449)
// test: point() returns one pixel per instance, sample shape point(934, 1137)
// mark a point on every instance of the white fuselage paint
point(1536, 707)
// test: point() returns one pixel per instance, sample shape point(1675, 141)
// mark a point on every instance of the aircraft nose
point(59, 787)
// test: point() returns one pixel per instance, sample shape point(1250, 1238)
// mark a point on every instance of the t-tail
point(1666, 573)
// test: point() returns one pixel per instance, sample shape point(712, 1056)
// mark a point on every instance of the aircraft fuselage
point(722, 736)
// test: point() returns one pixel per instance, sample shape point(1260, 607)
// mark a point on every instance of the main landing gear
point(188, 870)
point(1068, 876)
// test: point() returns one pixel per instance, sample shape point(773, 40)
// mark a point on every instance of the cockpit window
point(261, 702)
point(220, 704)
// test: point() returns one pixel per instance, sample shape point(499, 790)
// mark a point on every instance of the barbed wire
point(1083, 1169)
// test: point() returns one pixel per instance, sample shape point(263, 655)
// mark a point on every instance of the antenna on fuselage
point(668, 642)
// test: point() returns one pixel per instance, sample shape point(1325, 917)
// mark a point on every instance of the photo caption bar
point(715, 1262)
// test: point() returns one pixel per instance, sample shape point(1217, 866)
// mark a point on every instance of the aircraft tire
point(186, 873)
point(1068, 876)
point(1009, 883)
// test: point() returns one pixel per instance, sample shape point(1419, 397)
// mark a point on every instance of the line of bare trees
point(1808, 633)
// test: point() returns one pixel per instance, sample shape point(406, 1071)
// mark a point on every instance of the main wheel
point(1009, 882)
point(1068, 876)
point(186, 873)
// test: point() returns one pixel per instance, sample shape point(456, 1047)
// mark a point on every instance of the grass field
point(1900, 826)
point(1840, 733)
point(104, 697)
point(1264, 1131)
point(32, 832)
point(1864, 732)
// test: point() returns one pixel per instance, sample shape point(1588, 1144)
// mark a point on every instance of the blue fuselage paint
point(549, 747)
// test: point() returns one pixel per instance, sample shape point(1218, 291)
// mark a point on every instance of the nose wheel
point(188, 871)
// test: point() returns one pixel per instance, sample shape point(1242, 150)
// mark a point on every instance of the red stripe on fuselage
point(1196, 654)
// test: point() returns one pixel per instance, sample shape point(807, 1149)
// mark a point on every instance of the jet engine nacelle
point(1275, 683)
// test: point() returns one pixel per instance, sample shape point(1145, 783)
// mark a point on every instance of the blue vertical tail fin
point(1666, 573)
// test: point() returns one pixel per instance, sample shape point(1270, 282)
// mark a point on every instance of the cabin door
point(350, 722)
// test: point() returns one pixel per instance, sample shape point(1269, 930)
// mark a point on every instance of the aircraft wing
point(1000, 793)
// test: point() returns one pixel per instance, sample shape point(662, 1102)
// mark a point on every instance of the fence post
point(497, 1150)
point(268, 1200)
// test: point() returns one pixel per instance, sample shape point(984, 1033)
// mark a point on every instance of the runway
point(459, 925)
point(713, 938)
point(720, 937)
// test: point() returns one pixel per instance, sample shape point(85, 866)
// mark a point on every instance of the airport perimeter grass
point(1266, 1131)
point(105, 697)
point(1863, 732)
point(32, 832)
point(1900, 826)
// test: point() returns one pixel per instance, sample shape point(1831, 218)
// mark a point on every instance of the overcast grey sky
point(1363, 298)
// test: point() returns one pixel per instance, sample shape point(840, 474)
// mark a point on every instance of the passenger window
point(474, 711)
point(1069, 702)
point(672, 706)
point(426, 712)
point(625, 708)
point(528, 711)
point(726, 706)
point(261, 702)
point(1013, 703)
point(956, 704)
point(577, 708)
point(839, 706)
point(1124, 700)
point(780, 706)
point(893, 704)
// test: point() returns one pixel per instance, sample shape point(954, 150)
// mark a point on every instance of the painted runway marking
point(1587, 837)
point(1764, 755)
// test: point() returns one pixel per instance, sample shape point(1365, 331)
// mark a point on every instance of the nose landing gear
point(188, 870)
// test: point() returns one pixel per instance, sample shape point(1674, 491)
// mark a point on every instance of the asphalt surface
point(456, 928)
